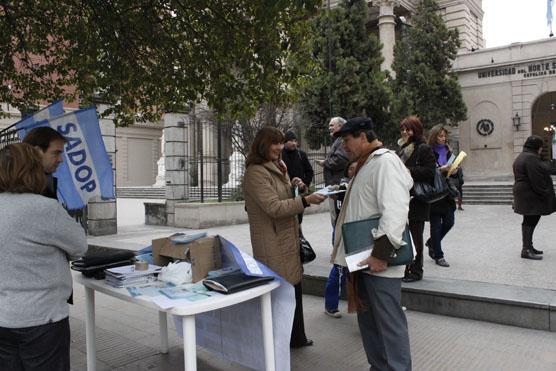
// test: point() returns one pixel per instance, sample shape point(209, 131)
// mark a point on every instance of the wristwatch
point(304, 201)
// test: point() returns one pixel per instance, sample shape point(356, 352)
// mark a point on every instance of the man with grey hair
point(335, 162)
point(334, 166)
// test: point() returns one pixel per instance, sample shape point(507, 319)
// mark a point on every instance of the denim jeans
point(440, 226)
point(336, 279)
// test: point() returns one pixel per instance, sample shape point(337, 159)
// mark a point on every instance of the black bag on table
point(99, 258)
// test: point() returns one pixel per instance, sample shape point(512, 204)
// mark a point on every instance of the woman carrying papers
point(38, 237)
point(442, 212)
point(272, 211)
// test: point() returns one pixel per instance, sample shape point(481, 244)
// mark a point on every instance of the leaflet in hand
point(331, 190)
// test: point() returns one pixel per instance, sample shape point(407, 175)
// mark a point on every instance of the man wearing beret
point(380, 187)
point(299, 168)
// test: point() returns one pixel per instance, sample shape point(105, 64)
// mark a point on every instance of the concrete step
point(509, 305)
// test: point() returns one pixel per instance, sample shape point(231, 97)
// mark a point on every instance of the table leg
point(163, 325)
point(268, 337)
point(90, 329)
point(189, 343)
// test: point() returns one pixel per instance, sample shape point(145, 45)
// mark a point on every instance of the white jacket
point(381, 187)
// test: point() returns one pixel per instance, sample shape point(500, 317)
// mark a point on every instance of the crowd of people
point(380, 182)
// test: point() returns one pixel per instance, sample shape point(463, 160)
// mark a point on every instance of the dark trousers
point(383, 324)
point(531, 220)
point(38, 348)
point(298, 330)
point(440, 226)
point(416, 228)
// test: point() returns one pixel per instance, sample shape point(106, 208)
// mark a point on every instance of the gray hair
point(337, 120)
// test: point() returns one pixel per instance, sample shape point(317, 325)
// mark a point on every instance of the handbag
point(431, 193)
point(306, 252)
point(357, 237)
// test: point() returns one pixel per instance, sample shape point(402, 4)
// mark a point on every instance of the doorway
point(543, 119)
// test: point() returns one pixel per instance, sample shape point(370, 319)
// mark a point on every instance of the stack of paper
point(127, 276)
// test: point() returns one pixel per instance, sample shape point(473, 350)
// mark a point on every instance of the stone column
point(102, 215)
point(387, 33)
point(176, 137)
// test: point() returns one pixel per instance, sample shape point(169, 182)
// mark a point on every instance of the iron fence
point(216, 162)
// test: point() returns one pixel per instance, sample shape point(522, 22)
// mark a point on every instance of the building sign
point(485, 127)
point(536, 69)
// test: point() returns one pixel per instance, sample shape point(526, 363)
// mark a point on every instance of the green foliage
point(145, 58)
point(346, 79)
point(425, 84)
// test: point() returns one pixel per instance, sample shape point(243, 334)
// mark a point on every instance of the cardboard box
point(203, 254)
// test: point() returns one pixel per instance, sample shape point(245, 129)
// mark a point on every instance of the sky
point(509, 21)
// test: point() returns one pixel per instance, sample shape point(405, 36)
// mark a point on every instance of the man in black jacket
point(299, 168)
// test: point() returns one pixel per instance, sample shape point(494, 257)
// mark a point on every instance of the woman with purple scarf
point(442, 211)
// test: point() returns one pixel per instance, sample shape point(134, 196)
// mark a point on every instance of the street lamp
point(516, 121)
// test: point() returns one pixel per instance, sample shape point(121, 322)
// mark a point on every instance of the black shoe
point(431, 251)
point(536, 252)
point(307, 343)
point(412, 277)
point(529, 254)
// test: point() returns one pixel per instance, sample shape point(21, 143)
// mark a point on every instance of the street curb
point(504, 304)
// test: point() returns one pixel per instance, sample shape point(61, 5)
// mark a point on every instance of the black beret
point(355, 124)
point(290, 135)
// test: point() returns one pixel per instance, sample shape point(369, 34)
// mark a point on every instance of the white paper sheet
point(353, 259)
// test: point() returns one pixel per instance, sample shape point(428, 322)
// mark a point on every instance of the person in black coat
point(442, 212)
point(299, 168)
point(419, 159)
point(297, 161)
point(533, 192)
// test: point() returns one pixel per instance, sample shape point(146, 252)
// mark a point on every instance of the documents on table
point(128, 276)
point(168, 296)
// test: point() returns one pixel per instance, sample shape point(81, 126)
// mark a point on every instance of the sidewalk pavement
point(484, 246)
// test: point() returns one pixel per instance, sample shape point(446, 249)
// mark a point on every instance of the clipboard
point(358, 243)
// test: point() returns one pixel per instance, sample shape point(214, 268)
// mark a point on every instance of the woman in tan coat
point(272, 210)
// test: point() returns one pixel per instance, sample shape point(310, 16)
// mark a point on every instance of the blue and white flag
point(86, 170)
point(53, 110)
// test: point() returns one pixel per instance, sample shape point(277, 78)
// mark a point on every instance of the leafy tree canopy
point(425, 84)
point(347, 80)
point(147, 57)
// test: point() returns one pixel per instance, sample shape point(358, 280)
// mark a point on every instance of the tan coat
point(273, 223)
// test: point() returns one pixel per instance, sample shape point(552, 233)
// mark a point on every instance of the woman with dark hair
point(419, 159)
point(442, 211)
point(533, 193)
point(38, 237)
point(272, 211)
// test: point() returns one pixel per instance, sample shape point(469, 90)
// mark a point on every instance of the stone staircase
point(141, 192)
point(210, 193)
point(487, 194)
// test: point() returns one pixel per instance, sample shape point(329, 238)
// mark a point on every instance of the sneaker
point(333, 313)
point(442, 262)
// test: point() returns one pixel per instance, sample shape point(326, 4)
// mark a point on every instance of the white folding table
point(187, 312)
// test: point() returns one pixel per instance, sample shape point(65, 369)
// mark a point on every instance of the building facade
point(510, 92)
